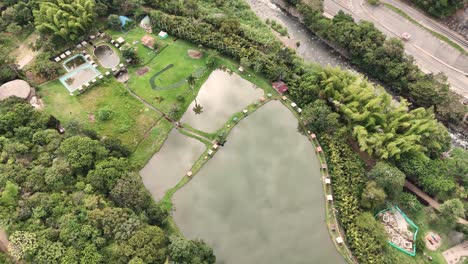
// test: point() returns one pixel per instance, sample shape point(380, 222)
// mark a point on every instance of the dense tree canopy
point(72, 199)
point(67, 19)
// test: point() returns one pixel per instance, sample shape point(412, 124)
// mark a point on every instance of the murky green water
point(221, 96)
point(260, 199)
point(167, 167)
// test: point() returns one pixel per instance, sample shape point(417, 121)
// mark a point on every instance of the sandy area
point(221, 96)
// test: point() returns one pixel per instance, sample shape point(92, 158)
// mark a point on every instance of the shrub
point(104, 114)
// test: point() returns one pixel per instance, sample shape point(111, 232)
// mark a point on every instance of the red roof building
point(280, 86)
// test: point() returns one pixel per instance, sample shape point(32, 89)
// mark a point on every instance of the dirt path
point(433, 203)
point(24, 54)
point(3, 241)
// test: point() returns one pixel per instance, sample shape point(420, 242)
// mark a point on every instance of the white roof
point(329, 198)
point(293, 104)
point(18, 88)
point(162, 34)
point(120, 40)
point(327, 181)
point(339, 240)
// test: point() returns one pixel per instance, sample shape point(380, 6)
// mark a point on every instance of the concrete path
point(455, 254)
point(432, 203)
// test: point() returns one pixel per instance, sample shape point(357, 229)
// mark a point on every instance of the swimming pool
point(79, 76)
point(74, 62)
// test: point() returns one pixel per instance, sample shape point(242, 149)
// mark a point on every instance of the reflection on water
point(260, 199)
point(167, 167)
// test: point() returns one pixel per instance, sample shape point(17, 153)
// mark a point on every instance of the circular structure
point(18, 88)
point(194, 54)
point(106, 56)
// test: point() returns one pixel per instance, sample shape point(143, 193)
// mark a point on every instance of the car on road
point(405, 36)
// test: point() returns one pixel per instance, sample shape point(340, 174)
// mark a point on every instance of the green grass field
point(141, 129)
point(130, 120)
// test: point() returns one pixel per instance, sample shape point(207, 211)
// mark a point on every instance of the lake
point(260, 198)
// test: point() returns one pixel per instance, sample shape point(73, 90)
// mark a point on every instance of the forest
point(75, 198)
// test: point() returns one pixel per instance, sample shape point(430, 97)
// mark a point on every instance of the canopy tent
point(145, 23)
point(124, 20)
point(163, 35)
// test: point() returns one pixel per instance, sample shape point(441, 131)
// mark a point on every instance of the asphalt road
point(430, 53)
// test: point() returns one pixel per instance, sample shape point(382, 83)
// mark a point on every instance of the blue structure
point(123, 20)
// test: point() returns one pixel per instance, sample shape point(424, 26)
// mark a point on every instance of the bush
point(410, 203)
point(104, 114)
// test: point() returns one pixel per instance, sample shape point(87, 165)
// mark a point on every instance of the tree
point(130, 192)
point(410, 202)
point(82, 152)
point(22, 244)
point(450, 210)
point(430, 90)
point(8, 197)
point(149, 244)
point(372, 197)
point(212, 59)
point(198, 109)
point(182, 251)
point(113, 22)
point(319, 118)
point(66, 19)
point(129, 53)
point(388, 177)
point(106, 174)
point(45, 68)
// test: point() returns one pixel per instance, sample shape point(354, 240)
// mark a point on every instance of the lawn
point(141, 129)
point(130, 121)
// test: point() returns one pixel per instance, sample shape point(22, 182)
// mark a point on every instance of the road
point(430, 53)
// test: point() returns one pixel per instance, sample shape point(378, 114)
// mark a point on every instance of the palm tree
point(198, 109)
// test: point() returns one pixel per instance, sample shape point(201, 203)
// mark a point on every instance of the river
point(313, 50)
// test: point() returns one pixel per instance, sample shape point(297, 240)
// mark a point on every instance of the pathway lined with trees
point(432, 203)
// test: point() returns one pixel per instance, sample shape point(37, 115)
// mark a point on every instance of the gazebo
point(146, 24)
point(148, 41)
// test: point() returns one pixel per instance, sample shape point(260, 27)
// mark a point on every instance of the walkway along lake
point(260, 198)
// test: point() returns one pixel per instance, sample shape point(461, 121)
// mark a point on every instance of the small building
point(327, 181)
point(339, 240)
point(293, 104)
point(245, 111)
point(313, 136)
point(120, 40)
point(163, 35)
point(17, 88)
point(145, 24)
point(148, 41)
point(210, 152)
point(324, 166)
point(241, 69)
point(329, 198)
point(189, 174)
point(280, 86)
point(284, 98)
point(319, 149)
